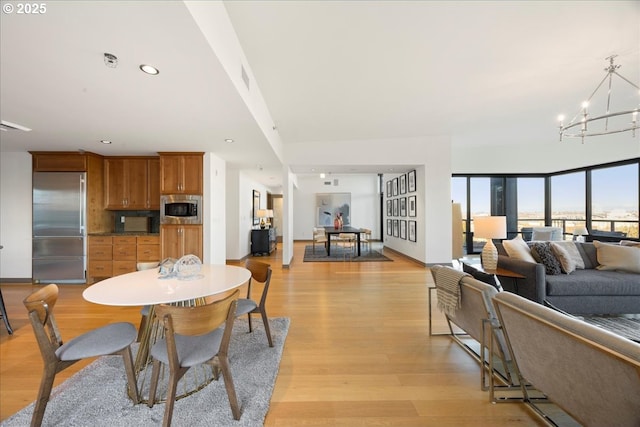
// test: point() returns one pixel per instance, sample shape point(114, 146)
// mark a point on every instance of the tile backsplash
point(134, 221)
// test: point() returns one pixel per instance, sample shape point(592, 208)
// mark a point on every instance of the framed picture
point(403, 229)
point(395, 207)
point(412, 206)
point(389, 208)
point(389, 227)
point(403, 184)
point(394, 186)
point(396, 232)
point(389, 188)
point(256, 206)
point(412, 231)
point(411, 177)
point(403, 206)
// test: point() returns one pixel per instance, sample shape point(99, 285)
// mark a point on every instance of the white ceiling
point(490, 73)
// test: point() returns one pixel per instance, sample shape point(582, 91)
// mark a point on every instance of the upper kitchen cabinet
point(62, 161)
point(181, 173)
point(132, 183)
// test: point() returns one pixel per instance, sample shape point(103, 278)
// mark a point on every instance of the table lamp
point(262, 214)
point(490, 227)
point(580, 232)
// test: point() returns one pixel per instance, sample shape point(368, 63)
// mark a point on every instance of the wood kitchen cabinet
point(181, 173)
point(180, 240)
point(132, 183)
point(114, 255)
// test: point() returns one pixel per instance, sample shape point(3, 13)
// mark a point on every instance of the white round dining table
point(147, 287)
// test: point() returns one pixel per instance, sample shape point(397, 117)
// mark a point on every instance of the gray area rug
point(624, 326)
point(96, 395)
point(338, 255)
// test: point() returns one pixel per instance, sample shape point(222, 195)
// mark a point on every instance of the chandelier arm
point(591, 96)
point(604, 116)
point(626, 80)
point(584, 135)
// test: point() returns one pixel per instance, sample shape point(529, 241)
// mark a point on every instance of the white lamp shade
point(580, 231)
point(263, 213)
point(490, 227)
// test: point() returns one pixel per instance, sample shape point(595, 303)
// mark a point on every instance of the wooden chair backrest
point(201, 319)
point(40, 306)
point(260, 272)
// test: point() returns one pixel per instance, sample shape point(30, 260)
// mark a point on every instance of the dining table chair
point(193, 336)
point(260, 276)
point(319, 236)
point(115, 338)
point(348, 243)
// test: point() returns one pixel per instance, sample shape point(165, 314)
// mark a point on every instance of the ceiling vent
point(7, 126)
point(335, 182)
point(245, 76)
point(327, 183)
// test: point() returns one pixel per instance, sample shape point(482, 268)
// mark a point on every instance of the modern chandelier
point(585, 124)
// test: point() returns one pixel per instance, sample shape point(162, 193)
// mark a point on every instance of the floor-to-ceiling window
point(614, 199)
point(603, 198)
point(568, 201)
point(530, 202)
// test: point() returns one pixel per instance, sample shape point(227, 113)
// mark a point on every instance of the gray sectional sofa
point(583, 291)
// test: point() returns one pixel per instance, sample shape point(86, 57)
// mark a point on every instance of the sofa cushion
point(518, 249)
point(567, 262)
point(593, 282)
point(617, 257)
point(542, 253)
point(588, 253)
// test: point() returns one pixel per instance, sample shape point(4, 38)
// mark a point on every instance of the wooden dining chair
point(194, 336)
point(115, 338)
point(260, 275)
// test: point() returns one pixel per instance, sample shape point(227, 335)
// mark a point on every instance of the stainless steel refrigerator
point(59, 227)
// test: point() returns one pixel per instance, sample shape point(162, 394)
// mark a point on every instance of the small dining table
point(332, 230)
point(149, 288)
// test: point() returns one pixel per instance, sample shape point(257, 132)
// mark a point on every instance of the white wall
point(365, 209)
point(239, 210)
point(15, 215)
point(214, 221)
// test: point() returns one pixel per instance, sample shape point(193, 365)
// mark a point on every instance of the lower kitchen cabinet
point(114, 255)
point(180, 240)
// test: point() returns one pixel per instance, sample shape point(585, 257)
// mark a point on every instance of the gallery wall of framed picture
point(401, 206)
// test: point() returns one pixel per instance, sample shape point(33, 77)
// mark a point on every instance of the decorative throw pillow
point(573, 252)
point(616, 257)
point(567, 263)
point(518, 249)
point(542, 251)
point(630, 243)
point(490, 279)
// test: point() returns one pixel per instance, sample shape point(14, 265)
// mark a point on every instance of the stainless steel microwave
point(181, 209)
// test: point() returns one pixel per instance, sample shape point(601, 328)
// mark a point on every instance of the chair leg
point(172, 387)
point(155, 375)
point(143, 325)
point(131, 375)
point(250, 325)
point(267, 329)
point(228, 383)
point(46, 384)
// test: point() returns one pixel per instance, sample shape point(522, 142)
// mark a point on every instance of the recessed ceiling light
point(105, 141)
point(322, 176)
point(229, 140)
point(149, 69)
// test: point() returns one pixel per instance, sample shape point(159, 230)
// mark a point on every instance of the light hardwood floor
point(358, 352)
